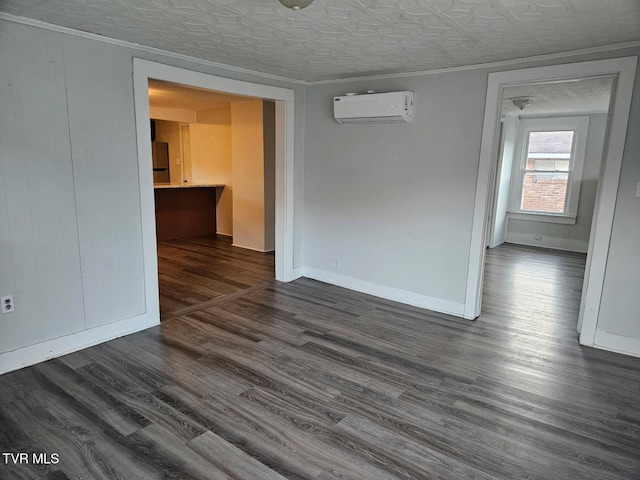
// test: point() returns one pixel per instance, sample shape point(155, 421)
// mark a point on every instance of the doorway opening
point(214, 185)
point(543, 195)
point(282, 226)
point(622, 70)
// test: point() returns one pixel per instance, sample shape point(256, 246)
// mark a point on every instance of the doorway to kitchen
point(280, 229)
point(214, 189)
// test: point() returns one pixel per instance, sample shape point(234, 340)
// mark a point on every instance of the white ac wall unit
point(391, 107)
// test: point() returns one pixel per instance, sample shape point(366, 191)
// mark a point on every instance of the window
point(549, 158)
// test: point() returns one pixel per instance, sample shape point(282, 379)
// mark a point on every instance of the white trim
point(542, 217)
point(548, 155)
point(624, 69)
point(476, 66)
point(32, 354)
point(377, 290)
point(503, 63)
point(142, 71)
point(617, 343)
point(251, 248)
point(141, 48)
point(564, 113)
point(606, 197)
point(555, 243)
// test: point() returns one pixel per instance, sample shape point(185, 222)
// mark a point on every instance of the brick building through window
point(546, 176)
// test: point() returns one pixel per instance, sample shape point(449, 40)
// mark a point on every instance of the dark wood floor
point(193, 271)
point(310, 381)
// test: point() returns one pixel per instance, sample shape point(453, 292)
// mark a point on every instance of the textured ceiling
point(582, 96)
point(334, 39)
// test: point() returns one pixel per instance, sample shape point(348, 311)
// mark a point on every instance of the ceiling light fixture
point(296, 4)
point(521, 102)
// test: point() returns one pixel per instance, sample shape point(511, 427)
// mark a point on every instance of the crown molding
point(142, 48)
point(476, 66)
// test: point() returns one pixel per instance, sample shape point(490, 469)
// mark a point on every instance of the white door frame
point(143, 70)
point(623, 69)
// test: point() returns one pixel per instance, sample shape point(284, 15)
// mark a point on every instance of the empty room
point(317, 239)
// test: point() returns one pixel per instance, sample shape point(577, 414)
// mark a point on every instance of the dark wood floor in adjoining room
point(311, 381)
point(195, 271)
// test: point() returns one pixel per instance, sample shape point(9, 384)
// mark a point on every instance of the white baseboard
point(251, 248)
point(617, 343)
point(32, 354)
point(293, 274)
point(554, 243)
point(390, 293)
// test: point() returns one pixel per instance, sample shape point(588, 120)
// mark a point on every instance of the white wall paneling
point(104, 147)
point(39, 252)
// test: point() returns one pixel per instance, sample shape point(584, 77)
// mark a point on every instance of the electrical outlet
point(334, 263)
point(8, 304)
point(538, 237)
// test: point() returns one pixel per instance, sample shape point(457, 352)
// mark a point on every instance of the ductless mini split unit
point(390, 107)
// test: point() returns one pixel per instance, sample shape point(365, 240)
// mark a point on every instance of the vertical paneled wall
point(39, 252)
point(70, 226)
point(104, 152)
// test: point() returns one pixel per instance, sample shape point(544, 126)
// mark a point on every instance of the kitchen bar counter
point(187, 185)
point(186, 210)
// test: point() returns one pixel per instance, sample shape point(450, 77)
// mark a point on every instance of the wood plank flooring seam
point(217, 301)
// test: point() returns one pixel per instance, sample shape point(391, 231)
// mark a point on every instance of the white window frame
point(579, 125)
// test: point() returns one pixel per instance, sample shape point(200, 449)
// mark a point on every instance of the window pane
point(544, 187)
point(551, 142)
point(544, 191)
point(544, 164)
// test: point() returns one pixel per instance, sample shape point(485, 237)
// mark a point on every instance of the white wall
point(70, 191)
point(217, 165)
point(503, 180)
point(173, 114)
point(620, 308)
point(569, 237)
point(38, 229)
point(394, 203)
point(247, 146)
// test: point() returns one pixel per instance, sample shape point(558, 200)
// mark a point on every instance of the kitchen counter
point(187, 210)
point(187, 185)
